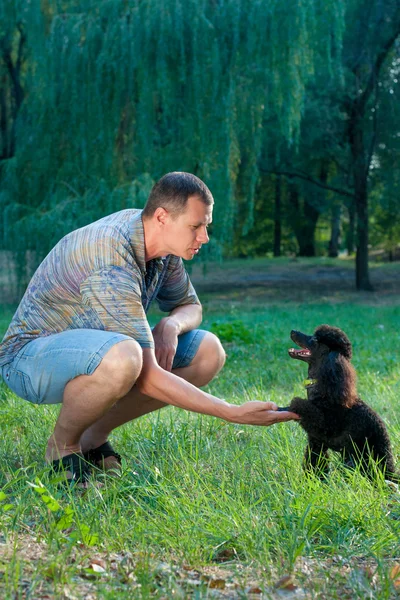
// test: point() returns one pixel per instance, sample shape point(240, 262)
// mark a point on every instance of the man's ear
point(161, 215)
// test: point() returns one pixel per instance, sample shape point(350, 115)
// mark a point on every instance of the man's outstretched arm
point(171, 389)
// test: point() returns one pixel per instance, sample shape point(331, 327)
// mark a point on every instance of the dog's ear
point(335, 339)
point(337, 380)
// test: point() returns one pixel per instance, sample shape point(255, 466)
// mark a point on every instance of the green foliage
point(385, 177)
point(233, 331)
point(64, 518)
point(98, 100)
point(4, 505)
point(117, 93)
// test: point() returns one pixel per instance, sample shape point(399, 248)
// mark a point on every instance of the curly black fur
point(333, 416)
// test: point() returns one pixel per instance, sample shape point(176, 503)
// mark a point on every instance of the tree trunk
point(311, 215)
point(3, 121)
point(11, 108)
point(277, 216)
point(362, 270)
point(304, 222)
point(307, 237)
point(360, 174)
point(350, 233)
point(333, 249)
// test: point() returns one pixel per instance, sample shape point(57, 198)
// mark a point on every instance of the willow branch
point(311, 180)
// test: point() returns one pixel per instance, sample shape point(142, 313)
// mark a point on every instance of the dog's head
point(327, 353)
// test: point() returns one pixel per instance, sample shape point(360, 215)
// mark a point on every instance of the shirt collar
point(138, 244)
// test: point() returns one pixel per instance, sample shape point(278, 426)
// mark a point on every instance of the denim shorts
point(42, 368)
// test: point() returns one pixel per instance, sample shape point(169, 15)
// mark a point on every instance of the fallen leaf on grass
point(217, 584)
point(286, 583)
point(92, 572)
point(99, 562)
point(371, 574)
point(254, 590)
point(395, 575)
point(97, 568)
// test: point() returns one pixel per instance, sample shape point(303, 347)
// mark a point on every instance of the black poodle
point(333, 415)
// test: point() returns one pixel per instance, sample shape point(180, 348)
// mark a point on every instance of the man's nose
point(203, 235)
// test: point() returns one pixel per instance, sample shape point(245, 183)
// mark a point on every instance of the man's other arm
point(165, 333)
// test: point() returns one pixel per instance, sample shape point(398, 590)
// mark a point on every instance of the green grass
point(204, 505)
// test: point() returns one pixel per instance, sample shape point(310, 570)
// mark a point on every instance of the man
point(80, 335)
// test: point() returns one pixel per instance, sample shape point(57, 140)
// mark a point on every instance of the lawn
point(207, 509)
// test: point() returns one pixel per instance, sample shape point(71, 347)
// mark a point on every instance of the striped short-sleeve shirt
point(97, 278)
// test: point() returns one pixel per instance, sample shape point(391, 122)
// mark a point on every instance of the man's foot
point(74, 467)
point(104, 457)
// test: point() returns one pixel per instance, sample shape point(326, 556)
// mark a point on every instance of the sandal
point(97, 455)
point(76, 464)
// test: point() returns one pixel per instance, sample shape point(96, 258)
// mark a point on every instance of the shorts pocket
point(20, 384)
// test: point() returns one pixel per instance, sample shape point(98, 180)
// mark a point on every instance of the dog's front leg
point(299, 406)
point(311, 417)
point(316, 458)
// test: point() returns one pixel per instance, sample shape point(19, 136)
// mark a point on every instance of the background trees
point(288, 111)
point(343, 120)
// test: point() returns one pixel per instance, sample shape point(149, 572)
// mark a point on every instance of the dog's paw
point(297, 405)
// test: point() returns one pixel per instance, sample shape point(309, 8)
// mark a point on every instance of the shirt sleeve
point(115, 294)
point(176, 289)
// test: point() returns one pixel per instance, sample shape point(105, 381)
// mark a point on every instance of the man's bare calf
point(95, 405)
point(88, 397)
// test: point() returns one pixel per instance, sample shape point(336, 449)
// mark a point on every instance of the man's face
point(185, 235)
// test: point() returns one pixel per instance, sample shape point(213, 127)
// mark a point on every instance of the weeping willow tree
point(114, 94)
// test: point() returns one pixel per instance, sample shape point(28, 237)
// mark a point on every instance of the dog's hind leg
point(316, 458)
point(381, 451)
point(368, 459)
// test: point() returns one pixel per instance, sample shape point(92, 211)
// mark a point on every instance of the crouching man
point(80, 335)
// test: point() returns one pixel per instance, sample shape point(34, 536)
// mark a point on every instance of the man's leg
point(208, 361)
point(88, 397)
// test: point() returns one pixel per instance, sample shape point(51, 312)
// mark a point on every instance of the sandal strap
point(98, 454)
point(76, 464)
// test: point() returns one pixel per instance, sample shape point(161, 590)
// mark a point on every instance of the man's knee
point(211, 355)
point(121, 366)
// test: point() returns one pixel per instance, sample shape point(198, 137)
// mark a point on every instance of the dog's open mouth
point(299, 353)
point(305, 343)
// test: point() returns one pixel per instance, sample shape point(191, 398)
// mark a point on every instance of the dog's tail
point(337, 380)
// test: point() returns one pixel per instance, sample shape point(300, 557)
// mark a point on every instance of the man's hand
point(259, 413)
point(165, 335)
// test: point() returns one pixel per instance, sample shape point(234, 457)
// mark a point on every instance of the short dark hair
point(172, 192)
